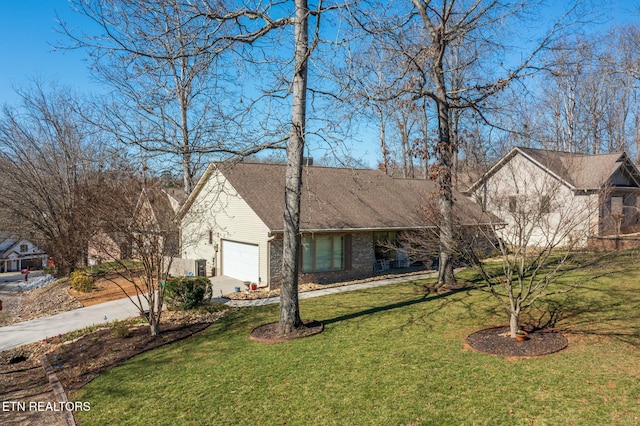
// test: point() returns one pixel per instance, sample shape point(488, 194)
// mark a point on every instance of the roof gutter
point(386, 228)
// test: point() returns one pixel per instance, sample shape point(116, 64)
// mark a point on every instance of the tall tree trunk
point(425, 141)
point(444, 162)
point(444, 149)
point(289, 306)
point(405, 150)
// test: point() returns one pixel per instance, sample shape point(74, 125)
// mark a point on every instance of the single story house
point(232, 223)
point(17, 253)
point(560, 198)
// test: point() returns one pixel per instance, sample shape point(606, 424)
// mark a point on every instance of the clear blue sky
point(27, 30)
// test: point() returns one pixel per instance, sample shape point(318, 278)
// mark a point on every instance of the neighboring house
point(17, 254)
point(565, 197)
point(154, 214)
point(232, 223)
point(106, 247)
point(155, 217)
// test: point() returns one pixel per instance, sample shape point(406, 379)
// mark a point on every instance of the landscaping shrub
point(80, 281)
point(186, 292)
point(121, 330)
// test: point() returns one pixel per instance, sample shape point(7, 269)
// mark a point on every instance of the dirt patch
point(496, 341)
point(43, 301)
point(26, 382)
point(105, 290)
point(270, 333)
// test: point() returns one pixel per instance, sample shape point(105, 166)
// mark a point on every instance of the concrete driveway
point(13, 281)
point(224, 285)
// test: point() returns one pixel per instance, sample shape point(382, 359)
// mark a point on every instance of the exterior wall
point(627, 220)
point(275, 262)
point(182, 267)
point(102, 248)
point(614, 243)
point(219, 209)
point(362, 257)
point(516, 194)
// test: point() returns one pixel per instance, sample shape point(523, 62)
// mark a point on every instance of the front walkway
point(334, 290)
point(19, 334)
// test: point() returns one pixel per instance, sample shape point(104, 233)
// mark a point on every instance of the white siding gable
point(539, 209)
point(220, 213)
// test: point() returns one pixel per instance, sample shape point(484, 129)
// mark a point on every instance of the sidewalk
point(26, 332)
point(333, 290)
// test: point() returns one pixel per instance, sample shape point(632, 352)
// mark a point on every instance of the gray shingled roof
point(582, 171)
point(343, 199)
point(579, 171)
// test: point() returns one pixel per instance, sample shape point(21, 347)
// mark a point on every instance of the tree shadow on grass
point(428, 297)
point(611, 312)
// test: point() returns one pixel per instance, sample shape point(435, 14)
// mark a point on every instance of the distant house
point(154, 213)
point(155, 217)
point(17, 254)
point(569, 195)
point(232, 223)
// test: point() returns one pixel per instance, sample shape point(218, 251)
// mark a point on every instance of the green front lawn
point(391, 356)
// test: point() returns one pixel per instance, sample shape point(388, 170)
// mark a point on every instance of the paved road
point(15, 335)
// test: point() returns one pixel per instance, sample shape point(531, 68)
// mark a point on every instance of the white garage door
point(240, 261)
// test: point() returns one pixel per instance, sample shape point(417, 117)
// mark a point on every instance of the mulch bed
point(496, 341)
point(270, 333)
point(77, 362)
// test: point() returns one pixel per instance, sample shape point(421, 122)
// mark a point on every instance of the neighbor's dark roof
point(583, 171)
point(578, 171)
point(160, 203)
point(343, 199)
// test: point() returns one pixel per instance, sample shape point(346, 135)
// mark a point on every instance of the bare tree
point(168, 63)
point(452, 53)
point(542, 230)
point(138, 239)
point(583, 101)
point(289, 306)
point(50, 162)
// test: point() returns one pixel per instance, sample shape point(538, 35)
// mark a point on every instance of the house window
point(24, 248)
point(210, 237)
point(385, 243)
point(323, 253)
point(616, 206)
point(545, 204)
point(512, 204)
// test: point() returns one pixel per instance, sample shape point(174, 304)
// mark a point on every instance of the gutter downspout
point(270, 237)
